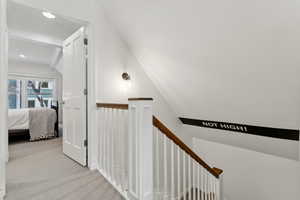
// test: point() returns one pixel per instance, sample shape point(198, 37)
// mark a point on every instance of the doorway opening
point(47, 97)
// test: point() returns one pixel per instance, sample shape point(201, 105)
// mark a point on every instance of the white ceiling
point(29, 21)
point(212, 59)
point(35, 36)
point(35, 52)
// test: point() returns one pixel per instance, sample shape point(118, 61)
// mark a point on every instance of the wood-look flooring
point(40, 171)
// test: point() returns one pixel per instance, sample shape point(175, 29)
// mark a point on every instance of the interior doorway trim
point(91, 109)
point(3, 93)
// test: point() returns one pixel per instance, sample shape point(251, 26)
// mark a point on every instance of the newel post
point(140, 149)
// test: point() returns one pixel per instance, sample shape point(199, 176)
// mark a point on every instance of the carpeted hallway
point(40, 171)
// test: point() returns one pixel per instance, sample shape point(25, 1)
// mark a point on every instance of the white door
point(74, 97)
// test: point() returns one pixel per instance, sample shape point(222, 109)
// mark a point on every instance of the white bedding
point(39, 121)
point(18, 119)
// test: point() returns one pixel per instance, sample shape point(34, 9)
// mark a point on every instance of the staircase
point(144, 160)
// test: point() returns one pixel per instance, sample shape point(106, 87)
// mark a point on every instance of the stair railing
point(144, 160)
point(113, 144)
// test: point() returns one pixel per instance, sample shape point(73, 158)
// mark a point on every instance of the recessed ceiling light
point(22, 56)
point(48, 15)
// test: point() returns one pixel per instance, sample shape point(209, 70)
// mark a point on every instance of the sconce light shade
point(125, 76)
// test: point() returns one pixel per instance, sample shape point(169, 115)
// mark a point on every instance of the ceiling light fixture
point(22, 56)
point(48, 15)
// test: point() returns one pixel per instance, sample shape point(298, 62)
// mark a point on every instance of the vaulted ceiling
point(232, 60)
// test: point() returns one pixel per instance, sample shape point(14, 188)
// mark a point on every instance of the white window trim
point(24, 98)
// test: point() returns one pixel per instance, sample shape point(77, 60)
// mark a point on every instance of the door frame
point(3, 93)
point(91, 88)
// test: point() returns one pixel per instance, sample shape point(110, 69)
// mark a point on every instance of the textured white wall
point(250, 175)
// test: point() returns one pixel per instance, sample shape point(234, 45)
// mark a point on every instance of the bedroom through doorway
point(47, 97)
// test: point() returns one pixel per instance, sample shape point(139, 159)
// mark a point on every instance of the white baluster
point(206, 184)
point(202, 183)
point(165, 167)
point(109, 144)
point(99, 130)
point(215, 189)
point(103, 124)
point(105, 143)
point(194, 180)
point(112, 146)
point(198, 186)
point(117, 148)
point(121, 150)
point(184, 176)
point(157, 161)
point(126, 150)
point(189, 178)
point(178, 173)
point(210, 187)
point(172, 171)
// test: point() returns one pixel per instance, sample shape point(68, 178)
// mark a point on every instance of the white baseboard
point(93, 166)
point(2, 194)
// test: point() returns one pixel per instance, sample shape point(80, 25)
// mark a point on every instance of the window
point(14, 94)
point(46, 103)
point(31, 103)
point(41, 92)
point(44, 84)
point(30, 93)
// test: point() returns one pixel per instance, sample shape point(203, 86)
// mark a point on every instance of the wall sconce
point(125, 83)
point(125, 76)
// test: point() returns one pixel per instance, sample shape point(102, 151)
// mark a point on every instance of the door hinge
point(85, 41)
point(85, 143)
point(85, 92)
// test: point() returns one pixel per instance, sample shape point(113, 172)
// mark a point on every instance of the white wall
point(250, 175)
point(232, 61)
point(279, 147)
point(59, 87)
point(31, 69)
point(111, 57)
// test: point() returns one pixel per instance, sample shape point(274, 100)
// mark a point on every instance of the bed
point(36, 123)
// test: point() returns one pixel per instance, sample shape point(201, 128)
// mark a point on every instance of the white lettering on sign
point(234, 127)
point(210, 124)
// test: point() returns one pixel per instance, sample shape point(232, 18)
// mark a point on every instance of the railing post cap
point(140, 99)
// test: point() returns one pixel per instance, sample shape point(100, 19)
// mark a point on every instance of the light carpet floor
point(40, 171)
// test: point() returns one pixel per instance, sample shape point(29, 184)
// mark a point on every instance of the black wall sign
point(247, 129)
